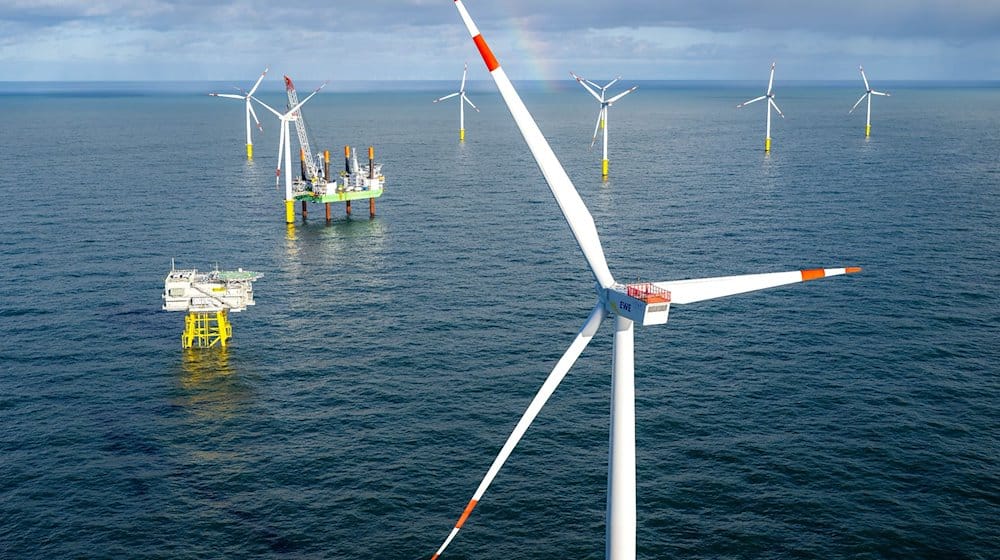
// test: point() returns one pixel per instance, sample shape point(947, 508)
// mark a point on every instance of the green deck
point(341, 197)
point(237, 275)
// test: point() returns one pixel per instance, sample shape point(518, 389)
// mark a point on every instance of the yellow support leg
point(249, 151)
point(868, 130)
point(225, 329)
point(461, 135)
point(204, 330)
point(190, 330)
point(604, 168)
point(289, 211)
point(767, 144)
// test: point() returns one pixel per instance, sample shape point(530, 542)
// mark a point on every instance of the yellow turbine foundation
point(289, 211)
point(868, 130)
point(461, 134)
point(249, 151)
point(604, 168)
point(204, 330)
point(767, 144)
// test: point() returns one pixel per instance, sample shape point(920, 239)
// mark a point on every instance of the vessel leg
point(371, 207)
point(328, 211)
point(347, 207)
point(305, 210)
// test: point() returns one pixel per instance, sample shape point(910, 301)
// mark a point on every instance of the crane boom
point(300, 128)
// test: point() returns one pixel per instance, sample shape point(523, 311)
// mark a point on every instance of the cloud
point(950, 20)
point(423, 39)
point(959, 20)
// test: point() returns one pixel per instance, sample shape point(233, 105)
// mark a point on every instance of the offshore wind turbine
point(249, 109)
point(602, 115)
point(285, 149)
point(646, 304)
point(769, 96)
point(463, 99)
point(869, 92)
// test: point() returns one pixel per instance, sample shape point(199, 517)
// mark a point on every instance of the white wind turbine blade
point(449, 96)
point(775, 105)
point(464, 72)
point(622, 94)
point(873, 92)
point(770, 81)
point(228, 95)
point(281, 147)
point(469, 101)
point(612, 82)
point(599, 98)
point(865, 78)
point(581, 222)
point(254, 114)
point(862, 98)
point(269, 108)
point(303, 102)
point(701, 289)
point(257, 83)
point(560, 370)
point(597, 126)
point(754, 100)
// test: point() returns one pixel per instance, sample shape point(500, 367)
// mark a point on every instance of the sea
point(364, 396)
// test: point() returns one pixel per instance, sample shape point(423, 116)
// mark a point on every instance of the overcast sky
point(534, 39)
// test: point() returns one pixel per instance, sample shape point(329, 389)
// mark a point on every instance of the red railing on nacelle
point(648, 292)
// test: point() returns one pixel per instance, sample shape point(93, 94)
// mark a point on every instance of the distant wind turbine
point(602, 115)
point(869, 92)
point(769, 96)
point(463, 99)
point(246, 95)
point(285, 147)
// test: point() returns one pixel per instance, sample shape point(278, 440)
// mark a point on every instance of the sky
point(99, 40)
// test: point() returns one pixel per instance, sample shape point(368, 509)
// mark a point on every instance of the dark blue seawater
point(386, 361)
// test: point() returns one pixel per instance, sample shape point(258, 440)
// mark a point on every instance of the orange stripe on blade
point(852, 269)
point(465, 514)
point(813, 274)
point(484, 49)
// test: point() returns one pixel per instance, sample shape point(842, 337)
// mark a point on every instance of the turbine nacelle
point(644, 303)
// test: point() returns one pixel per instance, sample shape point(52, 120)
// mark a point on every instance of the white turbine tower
point(769, 96)
point(602, 115)
point(246, 95)
point(463, 99)
point(869, 92)
point(646, 304)
point(285, 150)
